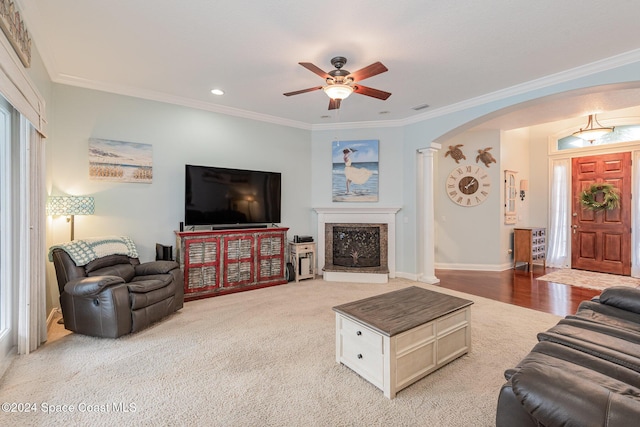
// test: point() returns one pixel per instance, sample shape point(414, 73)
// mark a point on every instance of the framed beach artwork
point(355, 171)
point(120, 161)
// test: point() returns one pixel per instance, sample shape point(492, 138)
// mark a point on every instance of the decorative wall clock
point(468, 185)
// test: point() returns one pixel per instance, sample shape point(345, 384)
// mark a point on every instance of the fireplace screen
point(356, 246)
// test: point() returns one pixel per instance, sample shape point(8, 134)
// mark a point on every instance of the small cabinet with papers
point(530, 246)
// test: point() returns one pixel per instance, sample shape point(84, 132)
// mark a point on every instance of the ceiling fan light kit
point(342, 83)
point(338, 91)
point(591, 133)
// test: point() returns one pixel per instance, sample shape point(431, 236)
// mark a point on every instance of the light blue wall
point(179, 135)
point(433, 128)
point(391, 161)
point(468, 236)
point(515, 156)
point(150, 213)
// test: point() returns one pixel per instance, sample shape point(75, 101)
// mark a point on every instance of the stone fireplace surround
point(358, 215)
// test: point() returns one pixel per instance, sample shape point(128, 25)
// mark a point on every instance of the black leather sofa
point(585, 371)
point(116, 295)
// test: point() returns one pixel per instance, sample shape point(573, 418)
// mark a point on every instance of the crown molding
point(537, 84)
point(533, 85)
point(176, 100)
point(359, 125)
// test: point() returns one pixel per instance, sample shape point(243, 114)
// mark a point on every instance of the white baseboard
point(474, 267)
point(342, 276)
point(431, 280)
point(51, 316)
point(408, 276)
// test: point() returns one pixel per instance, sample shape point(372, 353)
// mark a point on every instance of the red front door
point(601, 240)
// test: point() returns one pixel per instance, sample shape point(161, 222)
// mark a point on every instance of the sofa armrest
point(510, 411)
point(556, 397)
point(622, 297)
point(88, 286)
point(155, 267)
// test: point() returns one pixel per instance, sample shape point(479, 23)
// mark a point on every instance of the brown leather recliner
point(116, 294)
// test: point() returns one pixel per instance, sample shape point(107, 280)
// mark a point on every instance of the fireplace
point(356, 247)
point(356, 244)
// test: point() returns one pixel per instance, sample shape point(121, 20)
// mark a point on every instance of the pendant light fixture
point(591, 133)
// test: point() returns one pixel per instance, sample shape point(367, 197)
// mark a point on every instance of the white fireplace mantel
point(358, 215)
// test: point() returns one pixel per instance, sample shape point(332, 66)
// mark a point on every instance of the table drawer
point(357, 333)
point(361, 350)
point(364, 360)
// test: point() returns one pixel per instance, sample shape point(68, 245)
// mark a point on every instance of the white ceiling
point(441, 53)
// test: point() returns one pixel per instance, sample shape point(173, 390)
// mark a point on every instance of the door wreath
point(610, 201)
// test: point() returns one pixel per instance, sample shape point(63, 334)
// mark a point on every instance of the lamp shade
point(338, 91)
point(70, 205)
point(591, 133)
point(524, 185)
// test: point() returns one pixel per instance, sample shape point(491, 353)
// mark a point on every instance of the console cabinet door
point(201, 266)
point(238, 260)
point(270, 256)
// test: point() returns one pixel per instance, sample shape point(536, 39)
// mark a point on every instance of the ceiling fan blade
point(314, 69)
point(375, 93)
point(298, 92)
point(369, 71)
point(334, 104)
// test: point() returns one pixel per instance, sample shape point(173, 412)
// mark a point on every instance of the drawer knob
point(359, 356)
point(358, 333)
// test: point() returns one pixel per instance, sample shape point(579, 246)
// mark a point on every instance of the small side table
point(529, 245)
point(303, 258)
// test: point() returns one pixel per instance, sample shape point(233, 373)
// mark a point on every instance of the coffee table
point(394, 339)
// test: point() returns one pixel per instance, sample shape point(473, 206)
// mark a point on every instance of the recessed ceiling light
point(420, 107)
point(217, 91)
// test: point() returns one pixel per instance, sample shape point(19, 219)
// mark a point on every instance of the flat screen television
point(219, 196)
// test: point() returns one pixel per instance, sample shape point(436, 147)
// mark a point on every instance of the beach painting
point(355, 171)
point(120, 161)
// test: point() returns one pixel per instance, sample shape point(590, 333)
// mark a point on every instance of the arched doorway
point(567, 109)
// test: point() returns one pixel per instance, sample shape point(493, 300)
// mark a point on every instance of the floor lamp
point(70, 206)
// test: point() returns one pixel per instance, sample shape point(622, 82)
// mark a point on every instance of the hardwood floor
point(518, 287)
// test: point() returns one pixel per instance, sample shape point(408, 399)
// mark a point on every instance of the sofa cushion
point(144, 286)
point(126, 271)
point(622, 297)
point(599, 313)
point(604, 329)
point(614, 349)
point(106, 261)
point(156, 267)
point(164, 278)
point(148, 292)
point(580, 358)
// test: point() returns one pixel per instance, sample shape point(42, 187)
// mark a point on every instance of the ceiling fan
point(341, 83)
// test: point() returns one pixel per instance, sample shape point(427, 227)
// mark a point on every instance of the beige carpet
point(262, 358)
point(588, 279)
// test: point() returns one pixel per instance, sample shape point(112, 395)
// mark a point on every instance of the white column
point(426, 217)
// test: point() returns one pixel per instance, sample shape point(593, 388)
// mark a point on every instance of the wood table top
point(395, 312)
